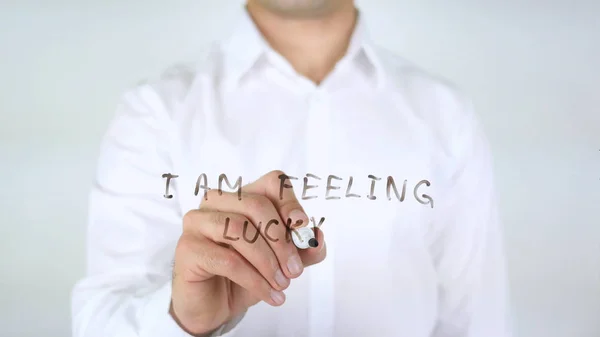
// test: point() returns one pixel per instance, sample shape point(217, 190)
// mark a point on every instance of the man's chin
point(300, 9)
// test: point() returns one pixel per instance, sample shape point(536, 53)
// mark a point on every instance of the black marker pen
point(304, 238)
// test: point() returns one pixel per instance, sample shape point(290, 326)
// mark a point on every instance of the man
point(313, 122)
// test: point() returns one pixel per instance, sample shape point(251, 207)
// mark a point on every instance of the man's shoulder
point(173, 81)
point(404, 74)
point(171, 86)
point(439, 103)
point(431, 96)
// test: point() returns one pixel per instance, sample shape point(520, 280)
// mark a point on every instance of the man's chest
point(360, 165)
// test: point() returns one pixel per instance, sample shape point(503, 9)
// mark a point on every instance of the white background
point(531, 66)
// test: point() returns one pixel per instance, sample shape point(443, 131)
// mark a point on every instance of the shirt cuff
point(157, 322)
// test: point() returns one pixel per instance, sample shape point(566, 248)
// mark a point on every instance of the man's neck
point(313, 46)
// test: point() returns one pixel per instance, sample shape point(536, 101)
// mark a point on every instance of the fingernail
point(281, 280)
point(294, 265)
point(277, 296)
point(296, 215)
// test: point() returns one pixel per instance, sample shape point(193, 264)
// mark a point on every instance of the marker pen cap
point(304, 238)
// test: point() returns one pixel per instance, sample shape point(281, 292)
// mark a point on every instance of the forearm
point(104, 311)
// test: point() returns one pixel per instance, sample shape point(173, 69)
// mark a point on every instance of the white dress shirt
point(421, 267)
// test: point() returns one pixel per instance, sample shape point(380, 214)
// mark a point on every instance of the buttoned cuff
point(157, 322)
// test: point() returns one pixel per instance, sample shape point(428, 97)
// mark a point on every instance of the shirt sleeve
point(468, 247)
point(132, 231)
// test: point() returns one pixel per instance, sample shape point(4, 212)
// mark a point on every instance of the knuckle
point(207, 262)
point(219, 218)
point(212, 194)
point(210, 261)
point(258, 284)
point(189, 252)
point(289, 205)
point(274, 265)
point(273, 176)
point(274, 180)
point(257, 203)
point(235, 222)
point(189, 219)
point(183, 245)
point(231, 261)
point(267, 263)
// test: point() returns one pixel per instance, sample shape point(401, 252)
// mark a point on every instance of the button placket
point(322, 305)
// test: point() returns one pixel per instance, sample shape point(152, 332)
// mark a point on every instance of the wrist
point(191, 333)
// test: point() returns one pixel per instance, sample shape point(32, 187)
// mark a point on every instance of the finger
point(242, 235)
point(278, 187)
point(218, 260)
point(261, 211)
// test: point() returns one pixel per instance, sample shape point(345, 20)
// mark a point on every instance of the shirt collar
point(245, 46)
